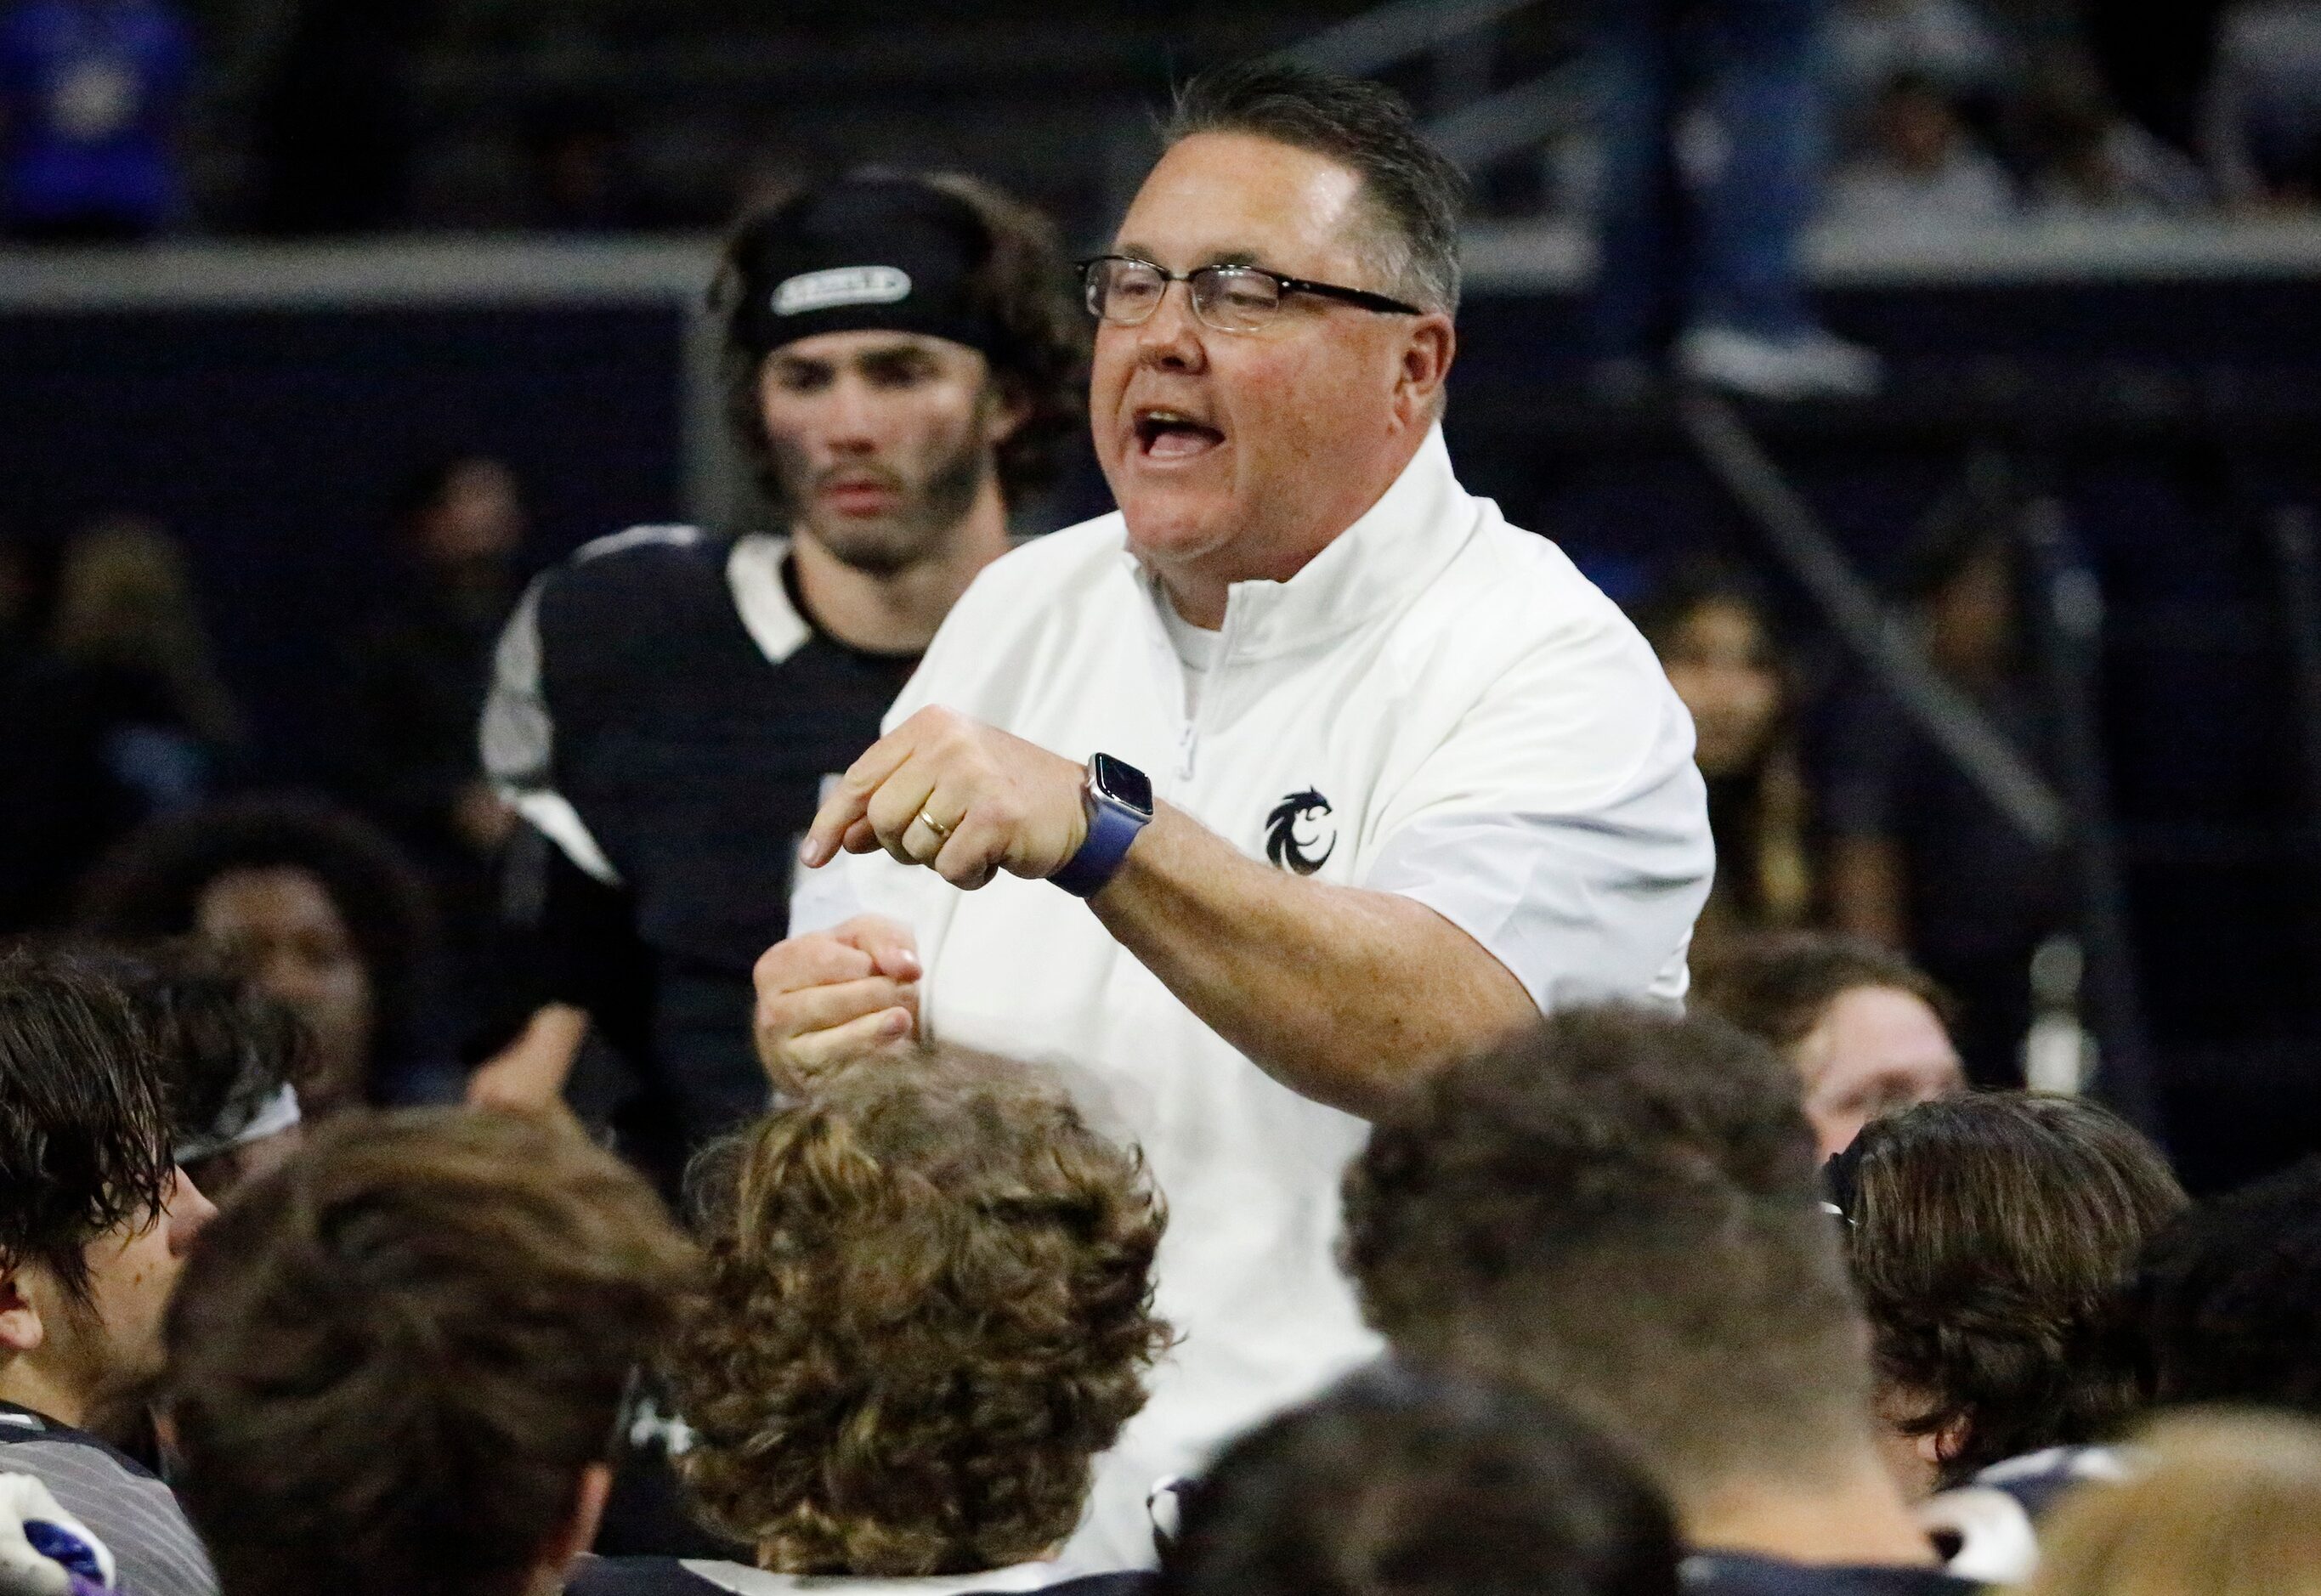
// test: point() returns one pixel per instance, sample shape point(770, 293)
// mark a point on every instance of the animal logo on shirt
point(1293, 833)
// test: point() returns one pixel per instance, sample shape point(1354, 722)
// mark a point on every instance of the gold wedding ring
point(934, 825)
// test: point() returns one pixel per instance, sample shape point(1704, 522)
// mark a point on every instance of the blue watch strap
point(1110, 830)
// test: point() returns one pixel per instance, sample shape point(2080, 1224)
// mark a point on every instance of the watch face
point(1121, 783)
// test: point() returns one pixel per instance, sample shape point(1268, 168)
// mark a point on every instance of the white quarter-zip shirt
point(1437, 705)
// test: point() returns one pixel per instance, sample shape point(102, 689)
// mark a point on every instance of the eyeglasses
point(1126, 291)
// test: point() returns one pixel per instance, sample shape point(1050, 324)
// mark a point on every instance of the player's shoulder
point(628, 568)
point(644, 547)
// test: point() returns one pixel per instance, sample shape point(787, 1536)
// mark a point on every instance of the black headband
point(863, 253)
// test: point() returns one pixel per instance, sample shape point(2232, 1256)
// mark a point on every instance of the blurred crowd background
point(301, 117)
point(392, 336)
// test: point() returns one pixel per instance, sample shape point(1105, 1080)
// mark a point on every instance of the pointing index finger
point(849, 799)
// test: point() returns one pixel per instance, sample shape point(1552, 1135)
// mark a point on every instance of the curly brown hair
point(1024, 283)
point(929, 1307)
point(1993, 1239)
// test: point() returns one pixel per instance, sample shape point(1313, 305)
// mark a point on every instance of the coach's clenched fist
point(835, 995)
point(962, 798)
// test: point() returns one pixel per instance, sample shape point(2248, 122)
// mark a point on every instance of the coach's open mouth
point(1164, 434)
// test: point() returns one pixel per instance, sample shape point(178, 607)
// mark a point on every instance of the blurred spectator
point(1866, 1034)
point(123, 720)
point(2088, 159)
point(94, 1224)
point(1715, 639)
point(338, 118)
point(929, 1309)
point(320, 912)
point(2263, 112)
point(400, 1367)
point(1398, 1484)
point(1699, 212)
point(2218, 1504)
point(415, 674)
point(2230, 1298)
point(1621, 1211)
point(1919, 858)
point(1993, 1238)
point(91, 96)
point(1921, 172)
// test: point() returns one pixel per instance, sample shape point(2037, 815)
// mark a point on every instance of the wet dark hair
point(1024, 284)
point(84, 1124)
point(1413, 189)
point(1399, 1484)
point(2229, 1298)
point(1992, 1238)
point(149, 887)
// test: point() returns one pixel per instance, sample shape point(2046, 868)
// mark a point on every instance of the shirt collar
point(1389, 553)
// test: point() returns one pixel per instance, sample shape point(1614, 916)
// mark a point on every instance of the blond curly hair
point(929, 1306)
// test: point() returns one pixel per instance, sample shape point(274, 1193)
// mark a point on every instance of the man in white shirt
point(1375, 776)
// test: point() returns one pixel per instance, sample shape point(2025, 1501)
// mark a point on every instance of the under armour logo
point(1283, 844)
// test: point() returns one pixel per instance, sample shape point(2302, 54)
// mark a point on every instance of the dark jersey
point(665, 712)
point(1728, 1573)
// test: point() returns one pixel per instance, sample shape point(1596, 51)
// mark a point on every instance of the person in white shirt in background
point(1372, 778)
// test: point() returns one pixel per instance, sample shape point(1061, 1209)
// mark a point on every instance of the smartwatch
point(1119, 800)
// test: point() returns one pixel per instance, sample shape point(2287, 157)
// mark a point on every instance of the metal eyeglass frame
point(1361, 299)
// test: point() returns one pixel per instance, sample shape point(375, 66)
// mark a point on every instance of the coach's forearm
point(1348, 996)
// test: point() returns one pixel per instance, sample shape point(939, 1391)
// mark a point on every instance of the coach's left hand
point(962, 798)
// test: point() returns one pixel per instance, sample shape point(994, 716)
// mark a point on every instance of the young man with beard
point(902, 355)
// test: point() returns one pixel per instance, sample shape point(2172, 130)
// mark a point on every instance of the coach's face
point(1239, 456)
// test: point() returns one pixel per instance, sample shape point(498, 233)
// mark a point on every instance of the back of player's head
point(2219, 1503)
point(1621, 1210)
point(1397, 1484)
point(940, 254)
point(1992, 1238)
point(2229, 1297)
point(84, 1124)
point(407, 1347)
point(929, 1308)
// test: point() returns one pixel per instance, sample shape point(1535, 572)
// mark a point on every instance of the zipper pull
point(1184, 753)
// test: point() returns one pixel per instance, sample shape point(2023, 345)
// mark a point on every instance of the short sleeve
point(517, 740)
point(1562, 823)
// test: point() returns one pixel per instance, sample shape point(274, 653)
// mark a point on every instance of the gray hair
point(1413, 191)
